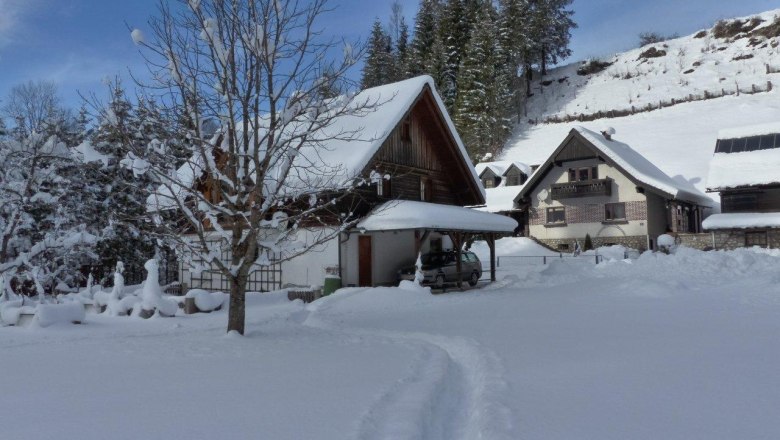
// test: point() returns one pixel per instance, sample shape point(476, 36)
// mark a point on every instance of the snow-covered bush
point(666, 243)
point(207, 301)
point(151, 297)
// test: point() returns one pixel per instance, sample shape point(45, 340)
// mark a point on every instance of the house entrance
point(365, 277)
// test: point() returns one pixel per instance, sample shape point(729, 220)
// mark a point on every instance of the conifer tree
point(427, 50)
point(482, 110)
point(379, 67)
point(123, 133)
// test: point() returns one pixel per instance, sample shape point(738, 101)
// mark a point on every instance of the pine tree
point(482, 108)
point(553, 24)
point(427, 50)
point(123, 134)
point(514, 39)
point(402, 51)
point(378, 68)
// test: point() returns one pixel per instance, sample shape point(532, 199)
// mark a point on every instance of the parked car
point(440, 268)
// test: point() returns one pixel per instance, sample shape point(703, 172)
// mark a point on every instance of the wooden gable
point(422, 149)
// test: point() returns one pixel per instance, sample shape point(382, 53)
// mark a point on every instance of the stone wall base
point(726, 239)
point(638, 242)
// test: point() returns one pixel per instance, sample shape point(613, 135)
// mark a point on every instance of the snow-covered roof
point(642, 169)
point(338, 153)
point(749, 130)
point(636, 166)
point(748, 168)
point(399, 215)
point(742, 220)
point(500, 199)
point(753, 162)
point(500, 167)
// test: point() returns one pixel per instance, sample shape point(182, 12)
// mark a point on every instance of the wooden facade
point(753, 199)
point(423, 160)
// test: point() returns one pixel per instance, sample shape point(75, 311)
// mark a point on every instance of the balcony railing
point(584, 188)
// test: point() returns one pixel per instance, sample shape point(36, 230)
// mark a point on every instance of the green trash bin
point(332, 284)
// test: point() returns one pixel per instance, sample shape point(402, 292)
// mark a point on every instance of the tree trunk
point(237, 307)
point(529, 76)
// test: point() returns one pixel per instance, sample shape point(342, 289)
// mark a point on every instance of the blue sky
point(77, 43)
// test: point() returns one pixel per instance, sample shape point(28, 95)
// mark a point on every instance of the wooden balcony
point(585, 188)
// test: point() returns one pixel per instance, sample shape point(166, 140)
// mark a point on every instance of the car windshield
point(434, 259)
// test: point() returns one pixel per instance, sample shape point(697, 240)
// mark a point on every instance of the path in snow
point(452, 390)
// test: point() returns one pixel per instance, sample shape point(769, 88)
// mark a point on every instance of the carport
point(424, 220)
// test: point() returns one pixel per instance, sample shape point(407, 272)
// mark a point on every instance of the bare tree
point(33, 105)
point(259, 67)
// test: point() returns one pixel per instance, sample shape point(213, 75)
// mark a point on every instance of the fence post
point(498, 261)
point(544, 260)
point(597, 259)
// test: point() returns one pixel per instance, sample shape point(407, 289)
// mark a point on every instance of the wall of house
point(389, 252)
point(657, 217)
point(766, 200)
point(309, 269)
point(586, 215)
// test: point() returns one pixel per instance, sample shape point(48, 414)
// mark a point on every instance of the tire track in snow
point(454, 389)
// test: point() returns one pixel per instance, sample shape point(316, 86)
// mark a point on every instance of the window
point(583, 174)
point(490, 183)
point(756, 238)
point(406, 130)
point(384, 187)
point(425, 189)
point(563, 247)
point(615, 211)
point(556, 215)
point(512, 179)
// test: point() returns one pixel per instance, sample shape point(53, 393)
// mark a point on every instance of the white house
point(595, 185)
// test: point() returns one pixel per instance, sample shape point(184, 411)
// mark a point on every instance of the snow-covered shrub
point(666, 243)
point(151, 296)
point(207, 301)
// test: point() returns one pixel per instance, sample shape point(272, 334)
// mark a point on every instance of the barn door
point(364, 261)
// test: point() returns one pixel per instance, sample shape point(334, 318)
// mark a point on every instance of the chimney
point(607, 133)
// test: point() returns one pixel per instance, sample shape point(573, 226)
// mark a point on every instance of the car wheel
point(439, 282)
point(474, 279)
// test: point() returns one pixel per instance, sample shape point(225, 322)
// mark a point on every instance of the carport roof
point(400, 215)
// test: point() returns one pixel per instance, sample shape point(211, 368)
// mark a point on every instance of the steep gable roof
point(500, 167)
point(630, 162)
point(341, 151)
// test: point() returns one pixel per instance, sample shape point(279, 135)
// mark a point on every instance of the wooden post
point(419, 241)
point(491, 241)
point(458, 242)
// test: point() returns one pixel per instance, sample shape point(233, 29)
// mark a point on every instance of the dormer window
point(489, 183)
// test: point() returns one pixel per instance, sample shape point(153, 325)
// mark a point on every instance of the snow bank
point(207, 301)
point(49, 314)
point(742, 220)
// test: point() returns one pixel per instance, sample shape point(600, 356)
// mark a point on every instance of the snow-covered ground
point(672, 347)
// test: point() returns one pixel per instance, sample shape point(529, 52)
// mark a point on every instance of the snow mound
point(49, 314)
point(207, 301)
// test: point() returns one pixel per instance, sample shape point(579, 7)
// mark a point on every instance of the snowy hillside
point(680, 139)
point(739, 54)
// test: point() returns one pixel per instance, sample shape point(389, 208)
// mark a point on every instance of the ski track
point(454, 388)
